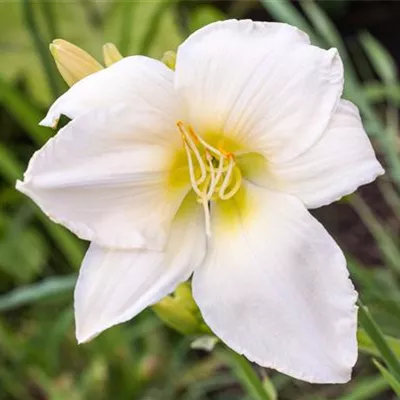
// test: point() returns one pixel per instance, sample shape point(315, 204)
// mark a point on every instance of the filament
point(209, 186)
point(191, 171)
point(227, 179)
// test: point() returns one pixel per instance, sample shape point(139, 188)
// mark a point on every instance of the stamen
point(212, 174)
point(191, 171)
point(214, 184)
point(236, 187)
point(207, 216)
point(227, 179)
point(189, 142)
point(205, 144)
point(208, 186)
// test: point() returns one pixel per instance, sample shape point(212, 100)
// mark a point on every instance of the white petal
point(114, 286)
point(274, 287)
point(105, 177)
point(259, 83)
point(341, 161)
point(134, 80)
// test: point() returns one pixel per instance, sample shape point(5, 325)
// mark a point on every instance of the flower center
point(213, 171)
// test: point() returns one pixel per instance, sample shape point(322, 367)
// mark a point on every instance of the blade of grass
point(285, 11)
point(380, 58)
point(25, 114)
point(49, 288)
point(366, 388)
point(246, 374)
point(381, 234)
point(392, 145)
point(391, 196)
point(152, 29)
point(10, 167)
point(375, 334)
point(47, 8)
point(326, 29)
point(127, 10)
point(385, 67)
point(373, 290)
point(41, 47)
point(390, 379)
point(366, 345)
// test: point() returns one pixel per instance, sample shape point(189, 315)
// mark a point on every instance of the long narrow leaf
point(49, 288)
point(390, 379)
point(366, 389)
point(247, 376)
point(375, 334)
point(284, 11)
point(41, 47)
point(152, 29)
point(380, 58)
point(367, 345)
point(25, 114)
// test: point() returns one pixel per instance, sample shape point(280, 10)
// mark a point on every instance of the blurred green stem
point(127, 10)
point(152, 29)
point(48, 12)
point(246, 374)
point(41, 48)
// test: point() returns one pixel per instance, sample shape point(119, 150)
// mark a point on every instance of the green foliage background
point(39, 357)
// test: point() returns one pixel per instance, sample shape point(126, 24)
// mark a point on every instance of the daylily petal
point(261, 84)
point(105, 176)
point(341, 161)
point(274, 287)
point(114, 286)
point(132, 80)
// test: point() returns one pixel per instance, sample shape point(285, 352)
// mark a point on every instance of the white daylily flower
point(210, 169)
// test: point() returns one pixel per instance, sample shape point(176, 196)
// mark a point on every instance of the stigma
point(214, 174)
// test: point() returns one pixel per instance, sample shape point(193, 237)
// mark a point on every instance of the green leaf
point(49, 288)
point(377, 337)
point(247, 376)
point(204, 15)
point(382, 235)
point(380, 58)
point(390, 379)
point(23, 251)
point(366, 344)
point(365, 388)
point(153, 26)
point(24, 113)
point(324, 26)
point(285, 11)
point(41, 46)
point(10, 167)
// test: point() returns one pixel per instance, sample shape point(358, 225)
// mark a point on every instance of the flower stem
point(247, 375)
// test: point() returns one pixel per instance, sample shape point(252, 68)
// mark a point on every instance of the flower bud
point(169, 59)
point(72, 62)
point(180, 312)
point(111, 54)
